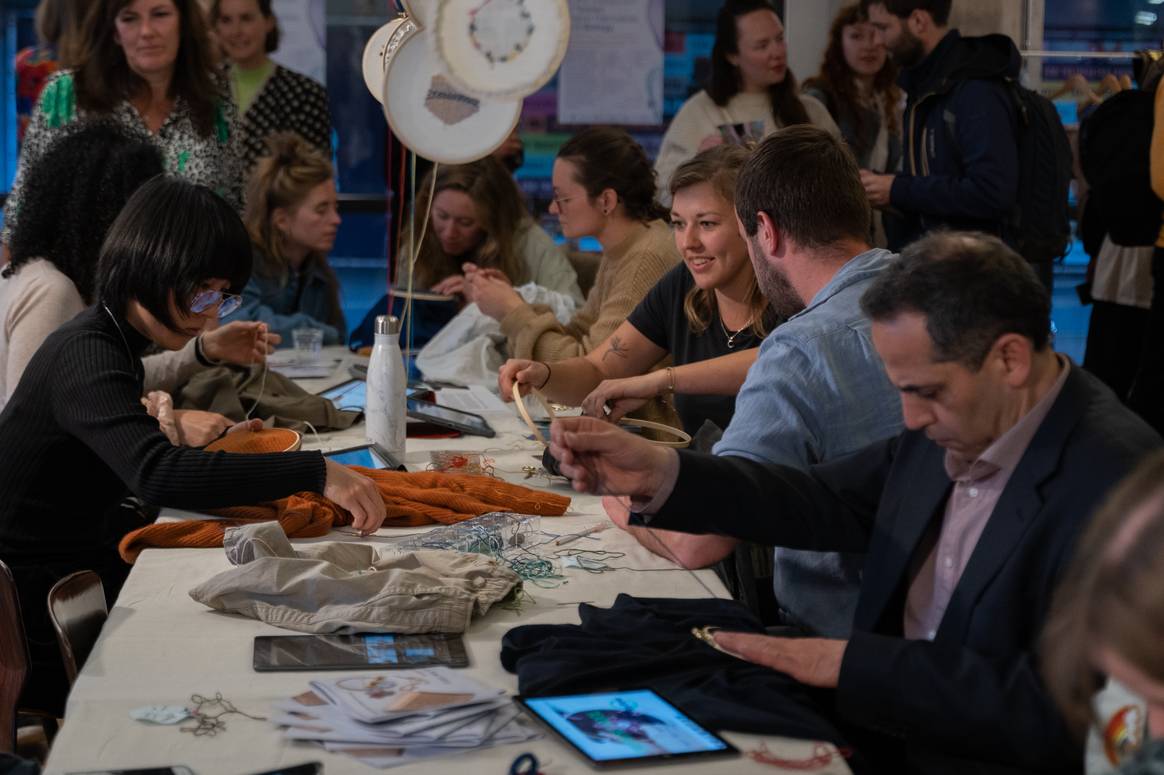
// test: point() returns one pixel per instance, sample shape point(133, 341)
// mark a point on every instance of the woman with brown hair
point(1108, 616)
point(603, 188)
point(144, 64)
point(857, 82)
point(707, 313)
point(292, 217)
point(751, 92)
point(479, 222)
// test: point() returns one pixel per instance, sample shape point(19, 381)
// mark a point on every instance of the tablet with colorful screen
point(366, 455)
point(357, 652)
point(632, 726)
point(352, 395)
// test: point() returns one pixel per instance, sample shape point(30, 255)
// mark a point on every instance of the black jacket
point(974, 692)
point(960, 168)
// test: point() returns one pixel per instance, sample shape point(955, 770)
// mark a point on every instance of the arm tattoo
point(616, 348)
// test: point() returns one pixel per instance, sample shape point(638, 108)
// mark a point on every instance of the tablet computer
point(357, 652)
point(366, 455)
point(465, 422)
point(352, 395)
point(627, 727)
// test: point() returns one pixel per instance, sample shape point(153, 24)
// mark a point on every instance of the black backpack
point(1040, 229)
point(1114, 151)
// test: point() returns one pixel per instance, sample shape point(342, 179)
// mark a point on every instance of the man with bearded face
point(960, 169)
point(817, 390)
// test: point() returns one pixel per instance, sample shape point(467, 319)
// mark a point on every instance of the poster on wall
point(302, 45)
point(613, 70)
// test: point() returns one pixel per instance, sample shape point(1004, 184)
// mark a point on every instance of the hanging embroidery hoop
point(404, 293)
point(501, 48)
point(384, 42)
point(683, 439)
point(432, 116)
point(423, 11)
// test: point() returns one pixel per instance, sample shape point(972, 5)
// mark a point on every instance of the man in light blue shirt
point(818, 390)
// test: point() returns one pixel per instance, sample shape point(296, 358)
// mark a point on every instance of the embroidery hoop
point(528, 67)
point(683, 439)
point(409, 73)
point(422, 11)
point(383, 42)
point(404, 293)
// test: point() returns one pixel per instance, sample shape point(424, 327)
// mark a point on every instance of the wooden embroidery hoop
point(683, 439)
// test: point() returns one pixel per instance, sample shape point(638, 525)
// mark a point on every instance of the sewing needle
point(583, 534)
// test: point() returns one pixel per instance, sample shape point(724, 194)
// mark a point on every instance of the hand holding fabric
point(356, 494)
point(493, 295)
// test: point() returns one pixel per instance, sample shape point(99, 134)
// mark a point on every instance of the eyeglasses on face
point(206, 300)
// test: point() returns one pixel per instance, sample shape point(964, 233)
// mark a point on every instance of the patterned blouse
point(288, 101)
point(211, 160)
point(33, 67)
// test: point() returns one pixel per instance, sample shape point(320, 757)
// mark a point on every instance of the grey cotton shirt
point(817, 391)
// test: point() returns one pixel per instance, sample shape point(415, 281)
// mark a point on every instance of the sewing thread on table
point(210, 724)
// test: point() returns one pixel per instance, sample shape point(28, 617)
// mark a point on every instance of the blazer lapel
point(904, 516)
point(1017, 508)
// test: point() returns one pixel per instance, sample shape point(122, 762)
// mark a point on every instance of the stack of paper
point(403, 716)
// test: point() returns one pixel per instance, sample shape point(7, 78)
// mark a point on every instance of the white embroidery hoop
point(422, 11)
point(683, 439)
point(520, 76)
point(409, 71)
point(384, 41)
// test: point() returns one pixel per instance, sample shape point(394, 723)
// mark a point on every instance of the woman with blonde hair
point(708, 314)
point(292, 217)
point(478, 221)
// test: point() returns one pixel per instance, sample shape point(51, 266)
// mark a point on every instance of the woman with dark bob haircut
point(77, 439)
point(72, 197)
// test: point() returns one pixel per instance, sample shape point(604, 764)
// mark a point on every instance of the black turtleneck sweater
point(75, 439)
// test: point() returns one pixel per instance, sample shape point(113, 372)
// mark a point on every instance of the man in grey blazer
point(967, 518)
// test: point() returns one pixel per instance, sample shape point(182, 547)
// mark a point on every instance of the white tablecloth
point(159, 647)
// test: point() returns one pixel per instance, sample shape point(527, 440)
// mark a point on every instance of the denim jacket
point(306, 300)
point(816, 392)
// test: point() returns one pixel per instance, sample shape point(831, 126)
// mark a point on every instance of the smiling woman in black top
point(707, 314)
point(77, 439)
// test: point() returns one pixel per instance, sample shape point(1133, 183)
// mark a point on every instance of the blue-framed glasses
point(210, 298)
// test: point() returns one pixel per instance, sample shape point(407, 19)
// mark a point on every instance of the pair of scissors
point(525, 764)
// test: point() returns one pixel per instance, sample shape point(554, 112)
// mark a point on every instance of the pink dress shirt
point(978, 485)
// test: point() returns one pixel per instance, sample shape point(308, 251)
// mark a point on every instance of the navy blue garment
point(647, 642)
point(960, 169)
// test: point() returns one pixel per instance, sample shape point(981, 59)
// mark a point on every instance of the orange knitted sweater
point(411, 499)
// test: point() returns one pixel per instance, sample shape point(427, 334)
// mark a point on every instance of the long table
point(159, 647)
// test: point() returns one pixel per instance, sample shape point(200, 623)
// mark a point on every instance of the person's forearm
point(571, 380)
point(690, 551)
point(723, 376)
